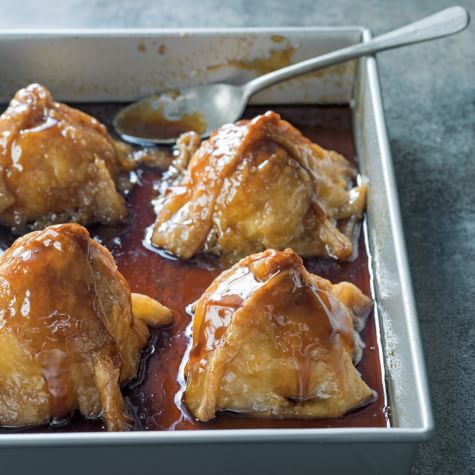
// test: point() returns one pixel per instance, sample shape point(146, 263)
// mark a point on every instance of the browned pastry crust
point(254, 185)
point(68, 336)
point(272, 340)
point(58, 164)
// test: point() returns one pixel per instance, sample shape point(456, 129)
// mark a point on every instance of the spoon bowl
point(161, 118)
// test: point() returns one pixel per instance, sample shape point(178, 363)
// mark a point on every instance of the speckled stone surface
point(429, 99)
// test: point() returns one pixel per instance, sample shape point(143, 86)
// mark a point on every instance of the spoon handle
point(444, 23)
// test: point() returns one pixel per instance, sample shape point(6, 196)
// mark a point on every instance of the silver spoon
point(210, 106)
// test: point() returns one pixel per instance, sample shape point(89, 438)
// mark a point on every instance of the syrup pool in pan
point(154, 397)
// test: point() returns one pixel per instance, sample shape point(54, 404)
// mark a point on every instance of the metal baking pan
point(123, 65)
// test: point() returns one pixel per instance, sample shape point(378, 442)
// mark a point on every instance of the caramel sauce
point(225, 298)
point(154, 399)
point(144, 121)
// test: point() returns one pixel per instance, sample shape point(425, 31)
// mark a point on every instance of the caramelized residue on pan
point(154, 398)
point(277, 59)
point(277, 38)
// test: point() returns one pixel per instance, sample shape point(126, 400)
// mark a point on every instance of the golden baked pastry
point(271, 339)
point(70, 330)
point(58, 164)
point(258, 184)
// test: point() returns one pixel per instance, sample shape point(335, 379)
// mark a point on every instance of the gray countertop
point(429, 99)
